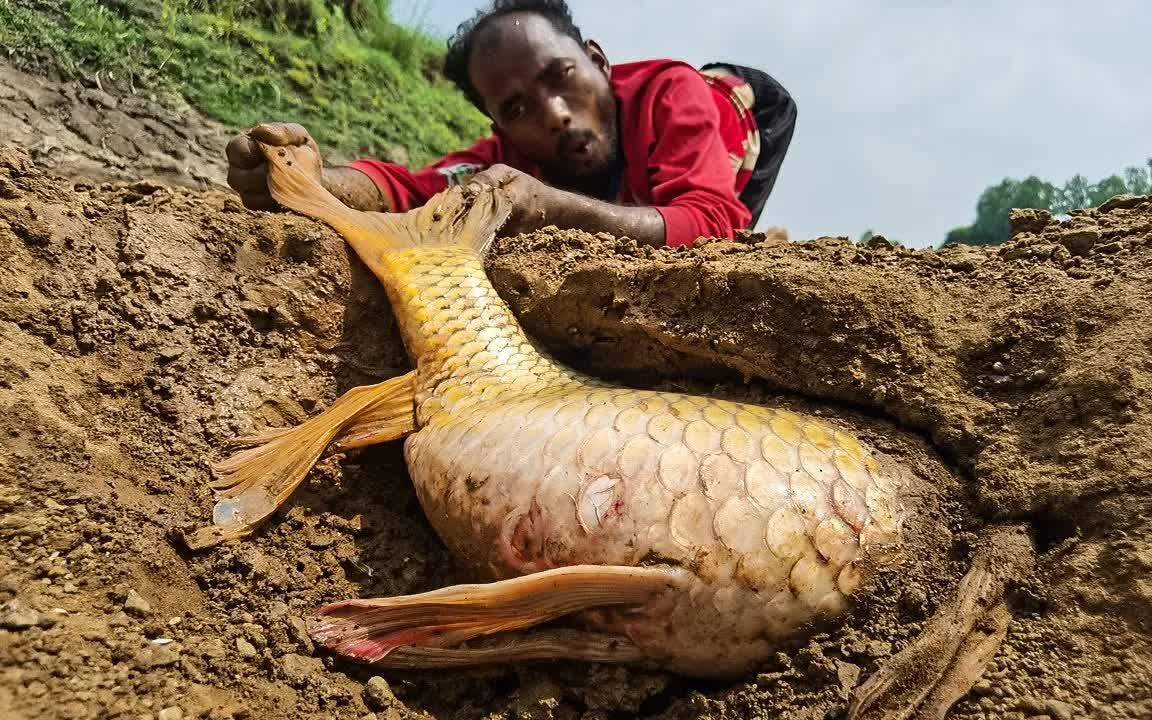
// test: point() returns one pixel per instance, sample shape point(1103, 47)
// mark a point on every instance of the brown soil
point(141, 326)
point(85, 131)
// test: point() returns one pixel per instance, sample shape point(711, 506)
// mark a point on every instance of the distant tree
point(866, 236)
point(994, 204)
point(1138, 181)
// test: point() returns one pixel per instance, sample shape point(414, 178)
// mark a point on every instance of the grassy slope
point(347, 87)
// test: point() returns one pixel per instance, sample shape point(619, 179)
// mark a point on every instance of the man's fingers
point(259, 202)
point(280, 134)
point(243, 153)
point(248, 181)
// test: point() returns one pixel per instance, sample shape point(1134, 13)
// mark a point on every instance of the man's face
point(547, 95)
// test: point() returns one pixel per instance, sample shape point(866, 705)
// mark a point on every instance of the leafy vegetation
point(991, 226)
point(361, 83)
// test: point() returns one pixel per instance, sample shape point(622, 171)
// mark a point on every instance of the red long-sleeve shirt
point(687, 142)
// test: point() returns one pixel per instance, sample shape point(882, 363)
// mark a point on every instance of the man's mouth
point(576, 145)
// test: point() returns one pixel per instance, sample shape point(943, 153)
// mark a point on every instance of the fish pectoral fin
point(925, 679)
point(370, 630)
point(260, 478)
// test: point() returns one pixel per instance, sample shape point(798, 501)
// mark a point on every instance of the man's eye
point(514, 112)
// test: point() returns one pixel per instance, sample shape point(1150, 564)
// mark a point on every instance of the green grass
point(360, 85)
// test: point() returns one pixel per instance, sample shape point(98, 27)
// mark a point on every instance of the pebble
point(157, 656)
point(298, 631)
point(1059, 710)
point(299, 668)
point(378, 694)
point(18, 616)
point(849, 676)
point(214, 648)
point(982, 688)
point(170, 713)
point(245, 648)
point(135, 604)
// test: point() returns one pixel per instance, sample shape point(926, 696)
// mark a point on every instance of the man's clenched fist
point(247, 170)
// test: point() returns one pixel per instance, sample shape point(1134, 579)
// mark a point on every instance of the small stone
point(1028, 220)
point(321, 541)
point(1059, 710)
point(157, 656)
point(170, 713)
point(245, 648)
point(214, 648)
point(1079, 242)
point(1016, 253)
point(298, 632)
point(878, 649)
point(1031, 706)
point(135, 604)
point(378, 694)
point(299, 668)
point(18, 616)
point(849, 675)
point(1120, 202)
point(168, 354)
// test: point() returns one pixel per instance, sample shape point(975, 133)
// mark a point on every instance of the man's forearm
point(645, 225)
point(354, 189)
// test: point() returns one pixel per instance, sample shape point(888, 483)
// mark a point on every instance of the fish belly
point(770, 513)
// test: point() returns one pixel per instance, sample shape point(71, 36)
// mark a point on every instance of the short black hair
point(460, 46)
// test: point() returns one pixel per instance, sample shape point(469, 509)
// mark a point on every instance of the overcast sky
point(907, 111)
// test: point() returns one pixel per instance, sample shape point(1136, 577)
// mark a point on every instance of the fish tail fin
point(257, 480)
point(432, 624)
point(467, 216)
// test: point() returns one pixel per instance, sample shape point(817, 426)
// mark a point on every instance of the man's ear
point(598, 57)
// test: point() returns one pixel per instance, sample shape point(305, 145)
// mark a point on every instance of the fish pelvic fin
point(461, 215)
point(257, 480)
point(370, 630)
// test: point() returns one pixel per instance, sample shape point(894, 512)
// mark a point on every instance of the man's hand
point(532, 201)
point(536, 205)
point(247, 169)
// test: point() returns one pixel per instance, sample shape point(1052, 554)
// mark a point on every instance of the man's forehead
point(529, 37)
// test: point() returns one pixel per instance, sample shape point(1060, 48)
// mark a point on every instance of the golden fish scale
point(523, 465)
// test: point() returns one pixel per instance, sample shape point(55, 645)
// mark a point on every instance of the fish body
point(523, 465)
point(694, 533)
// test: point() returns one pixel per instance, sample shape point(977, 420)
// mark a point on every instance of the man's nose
point(559, 114)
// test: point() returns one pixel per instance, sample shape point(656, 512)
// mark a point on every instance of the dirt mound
point(142, 326)
point(85, 132)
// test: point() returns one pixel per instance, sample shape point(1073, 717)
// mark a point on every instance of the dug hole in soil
point(142, 326)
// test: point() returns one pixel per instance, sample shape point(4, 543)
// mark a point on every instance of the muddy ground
point(143, 325)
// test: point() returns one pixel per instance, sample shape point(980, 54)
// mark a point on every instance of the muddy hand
point(247, 168)
point(531, 199)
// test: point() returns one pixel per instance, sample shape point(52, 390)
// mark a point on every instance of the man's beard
point(591, 180)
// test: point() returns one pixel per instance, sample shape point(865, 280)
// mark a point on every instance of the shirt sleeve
point(406, 189)
point(693, 182)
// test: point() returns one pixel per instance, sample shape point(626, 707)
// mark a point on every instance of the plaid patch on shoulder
point(460, 173)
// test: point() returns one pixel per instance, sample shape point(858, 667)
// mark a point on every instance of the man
point(657, 150)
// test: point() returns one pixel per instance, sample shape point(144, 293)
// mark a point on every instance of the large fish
point(695, 534)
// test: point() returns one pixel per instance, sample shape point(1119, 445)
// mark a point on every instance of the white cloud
point(907, 110)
